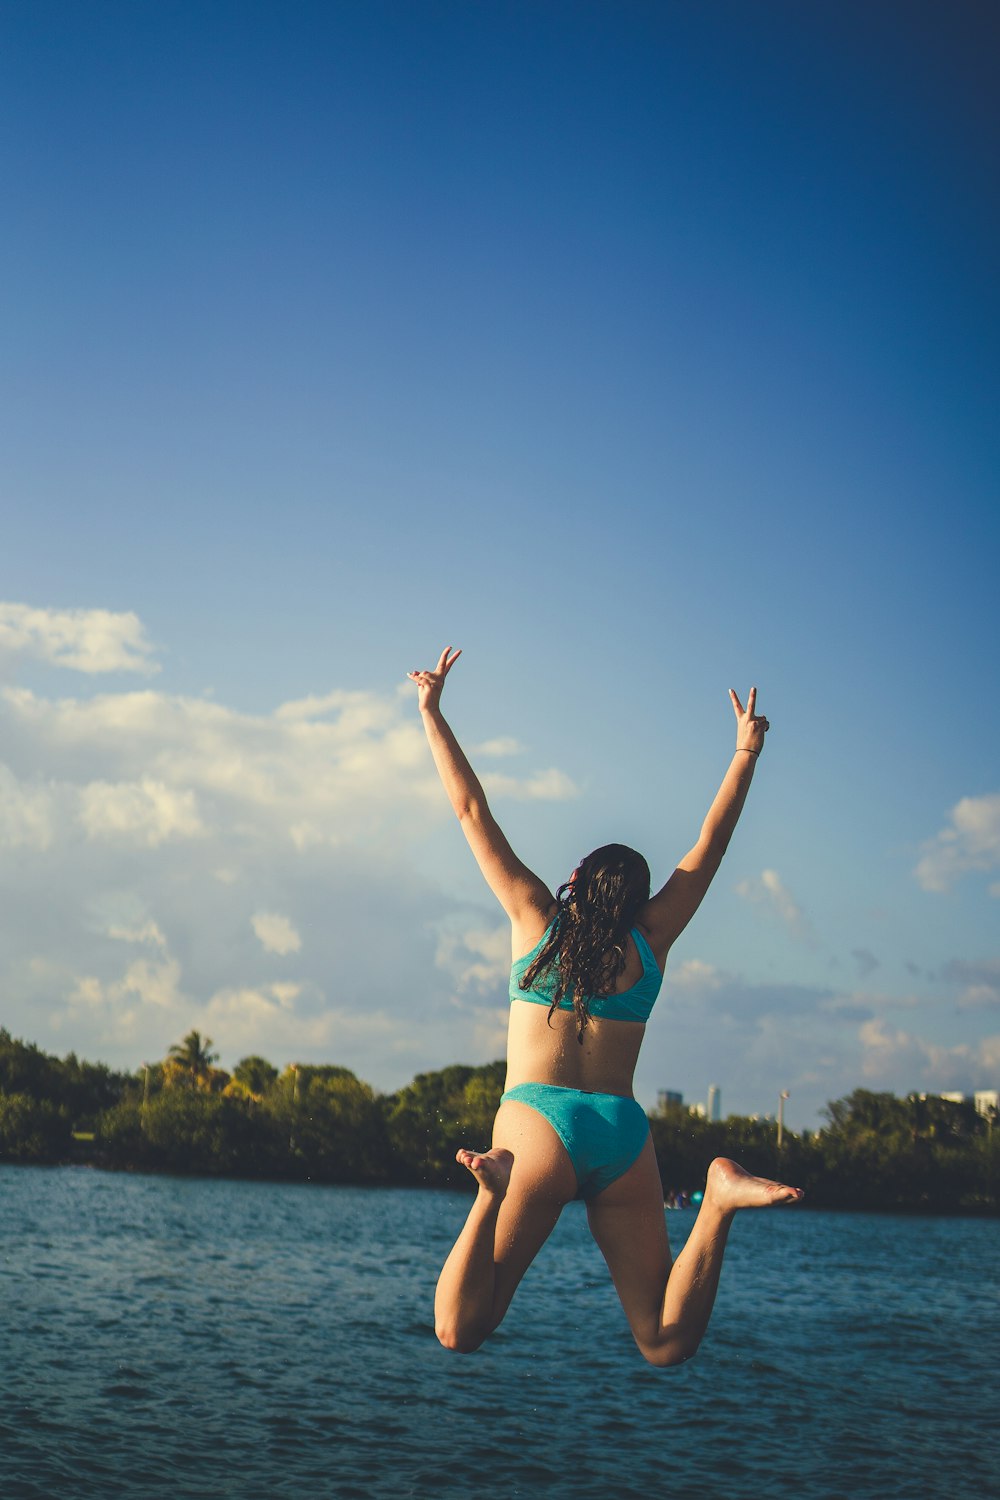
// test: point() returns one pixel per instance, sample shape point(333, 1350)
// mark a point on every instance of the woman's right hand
point(750, 727)
point(430, 683)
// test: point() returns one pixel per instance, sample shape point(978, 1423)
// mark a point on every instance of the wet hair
point(586, 946)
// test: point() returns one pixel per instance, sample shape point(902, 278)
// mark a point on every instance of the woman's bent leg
point(668, 1306)
point(525, 1181)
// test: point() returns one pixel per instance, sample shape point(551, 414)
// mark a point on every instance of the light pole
point(781, 1114)
point(295, 1104)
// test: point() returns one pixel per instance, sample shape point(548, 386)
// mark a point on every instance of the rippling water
point(170, 1337)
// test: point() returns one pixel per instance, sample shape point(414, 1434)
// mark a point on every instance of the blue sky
point(639, 349)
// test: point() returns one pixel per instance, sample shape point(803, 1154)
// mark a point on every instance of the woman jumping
point(587, 967)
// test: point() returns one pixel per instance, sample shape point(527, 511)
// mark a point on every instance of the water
point(170, 1337)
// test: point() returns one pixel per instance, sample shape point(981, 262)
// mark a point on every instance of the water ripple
point(198, 1340)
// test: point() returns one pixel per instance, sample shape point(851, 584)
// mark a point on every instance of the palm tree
point(191, 1060)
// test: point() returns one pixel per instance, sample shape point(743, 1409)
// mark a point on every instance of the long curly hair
point(585, 950)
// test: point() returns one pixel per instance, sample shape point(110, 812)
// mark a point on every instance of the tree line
point(323, 1124)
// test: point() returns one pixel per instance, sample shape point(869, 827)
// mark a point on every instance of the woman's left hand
point(431, 683)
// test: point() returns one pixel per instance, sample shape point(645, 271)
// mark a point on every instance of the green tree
point(187, 1130)
point(255, 1076)
point(79, 1091)
point(118, 1138)
point(25, 1069)
point(333, 1123)
point(33, 1130)
point(435, 1114)
point(189, 1062)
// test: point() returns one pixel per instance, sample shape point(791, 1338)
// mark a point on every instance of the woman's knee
point(669, 1354)
point(460, 1338)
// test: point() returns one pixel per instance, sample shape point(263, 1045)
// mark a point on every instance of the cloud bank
point(169, 862)
point(970, 841)
point(84, 640)
point(768, 891)
point(755, 1039)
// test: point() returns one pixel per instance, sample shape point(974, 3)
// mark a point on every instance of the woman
point(588, 963)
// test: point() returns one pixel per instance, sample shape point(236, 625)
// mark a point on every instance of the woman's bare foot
point(491, 1169)
point(730, 1187)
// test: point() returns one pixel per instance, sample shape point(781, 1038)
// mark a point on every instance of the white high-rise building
point(714, 1102)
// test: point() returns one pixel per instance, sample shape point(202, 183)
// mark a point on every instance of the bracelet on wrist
point(746, 750)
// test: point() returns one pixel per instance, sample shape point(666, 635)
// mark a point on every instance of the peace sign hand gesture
point(431, 683)
point(750, 727)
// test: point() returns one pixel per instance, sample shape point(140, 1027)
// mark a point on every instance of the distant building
point(714, 1102)
point(697, 1109)
point(668, 1098)
point(985, 1102)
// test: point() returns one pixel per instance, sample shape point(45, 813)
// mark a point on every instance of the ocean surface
point(166, 1337)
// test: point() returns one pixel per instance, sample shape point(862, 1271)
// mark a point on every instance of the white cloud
point(503, 745)
point(148, 932)
point(476, 958)
point(544, 786)
point(147, 811)
point(146, 982)
point(756, 1037)
point(145, 838)
point(751, 1038)
point(695, 975)
point(357, 712)
point(362, 771)
point(487, 1029)
point(85, 640)
point(979, 982)
point(250, 1007)
point(252, 1017)
point(285, 994)
point(768, 890)
point(27, 814)
point(897, 1060)
point(275, 932)
point(971, 841)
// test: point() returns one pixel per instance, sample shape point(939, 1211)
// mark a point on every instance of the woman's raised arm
point(672, 908)
point(523, 896)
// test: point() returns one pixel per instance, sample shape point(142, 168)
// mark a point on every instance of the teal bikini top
point(632, 1004)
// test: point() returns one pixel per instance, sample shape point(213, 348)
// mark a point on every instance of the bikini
point(603, 1133)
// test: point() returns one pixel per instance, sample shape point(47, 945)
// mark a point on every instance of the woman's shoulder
point(652, 936)
point(529, 933)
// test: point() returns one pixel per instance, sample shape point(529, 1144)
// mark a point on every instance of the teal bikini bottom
point(603, 1133)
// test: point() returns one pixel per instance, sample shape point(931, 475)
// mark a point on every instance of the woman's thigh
point(628, 1222)
point(542, 1182)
